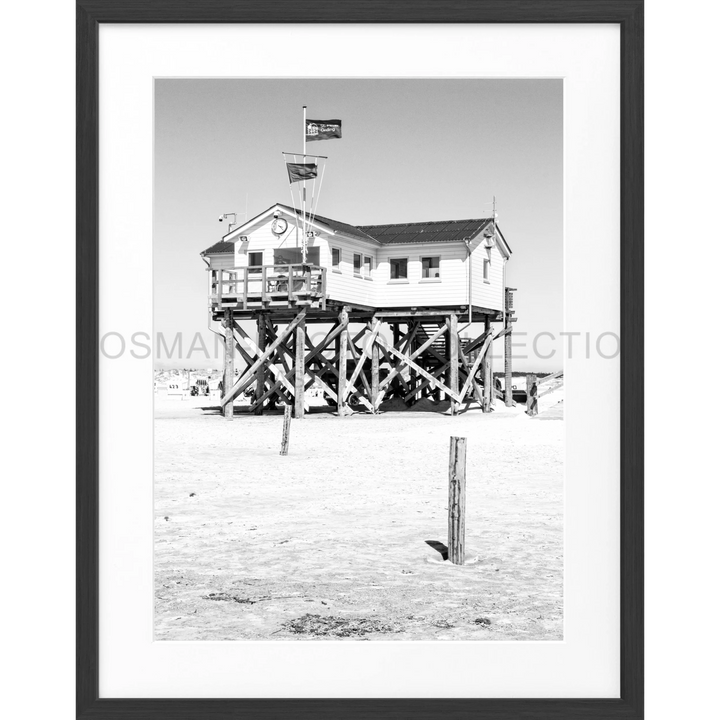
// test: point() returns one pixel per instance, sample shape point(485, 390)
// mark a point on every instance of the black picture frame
point(629, 15)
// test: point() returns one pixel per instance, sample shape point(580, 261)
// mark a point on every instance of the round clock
point(279, 226)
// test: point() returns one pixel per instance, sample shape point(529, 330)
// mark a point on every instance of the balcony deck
point(268, 286)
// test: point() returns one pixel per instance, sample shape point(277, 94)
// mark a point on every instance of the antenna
point(225, 216)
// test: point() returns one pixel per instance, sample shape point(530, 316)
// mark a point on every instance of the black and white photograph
point(359, 359)
point(359, 427)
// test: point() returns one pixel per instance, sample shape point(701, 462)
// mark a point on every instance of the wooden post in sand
point(285, 443)
point(229, 372)
point(531, 389)
point(456, 501)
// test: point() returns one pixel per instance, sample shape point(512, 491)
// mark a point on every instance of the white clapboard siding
point(225, 261)
point(452, 289)
point(488, 295)
point(346, 285)
point(262, 239)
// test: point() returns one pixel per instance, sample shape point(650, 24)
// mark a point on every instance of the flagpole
point(304, 237)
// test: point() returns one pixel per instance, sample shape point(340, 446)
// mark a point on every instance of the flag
point(301, 171)
point(322, 129)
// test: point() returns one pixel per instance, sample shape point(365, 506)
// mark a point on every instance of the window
point(368, 268)
point(357, 264)
point(398, 268)
point(293, 256)
point(431, 267)
point(486, 271)
point(336, 258)
point(255, 261)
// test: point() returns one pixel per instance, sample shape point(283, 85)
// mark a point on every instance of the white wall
point(345, 285)
point(451, 289)
point(262, 239)
point(487, 294)
point(224, 262)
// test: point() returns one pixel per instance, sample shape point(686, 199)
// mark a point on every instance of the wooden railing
point(267, 285)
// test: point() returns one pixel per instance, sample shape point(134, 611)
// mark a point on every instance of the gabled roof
point(436, 231)
point(333, 224)
point(220, 248)
point(426, 232)
point(326, 223)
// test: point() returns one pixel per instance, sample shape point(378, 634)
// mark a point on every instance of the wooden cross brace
point(249, 375)
point(254, 354)
point(433, 381)
point(314, 357)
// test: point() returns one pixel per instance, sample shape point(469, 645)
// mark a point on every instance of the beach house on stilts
point(393, 297)
point(400, 301)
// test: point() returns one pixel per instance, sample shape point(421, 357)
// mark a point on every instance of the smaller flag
point(322, 129)
point(298, 172)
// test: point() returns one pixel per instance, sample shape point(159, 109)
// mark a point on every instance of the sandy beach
point(329, 542)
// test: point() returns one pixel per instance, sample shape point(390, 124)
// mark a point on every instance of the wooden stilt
point(342, 361)
point(486, 371)
point(508, 346)
point(454, 343)
point(407, 344)
point(447, 355)
point(229, 373)
point(260, 384)
point(508, 371)
point(300, 370)
point(456, 501)
point(531, 391)
point(375, 372)
point(285, 442)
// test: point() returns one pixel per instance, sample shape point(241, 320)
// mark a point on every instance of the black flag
point(322, 129)
point(301, 171)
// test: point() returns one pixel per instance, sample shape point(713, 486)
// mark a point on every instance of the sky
point(412, 150)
